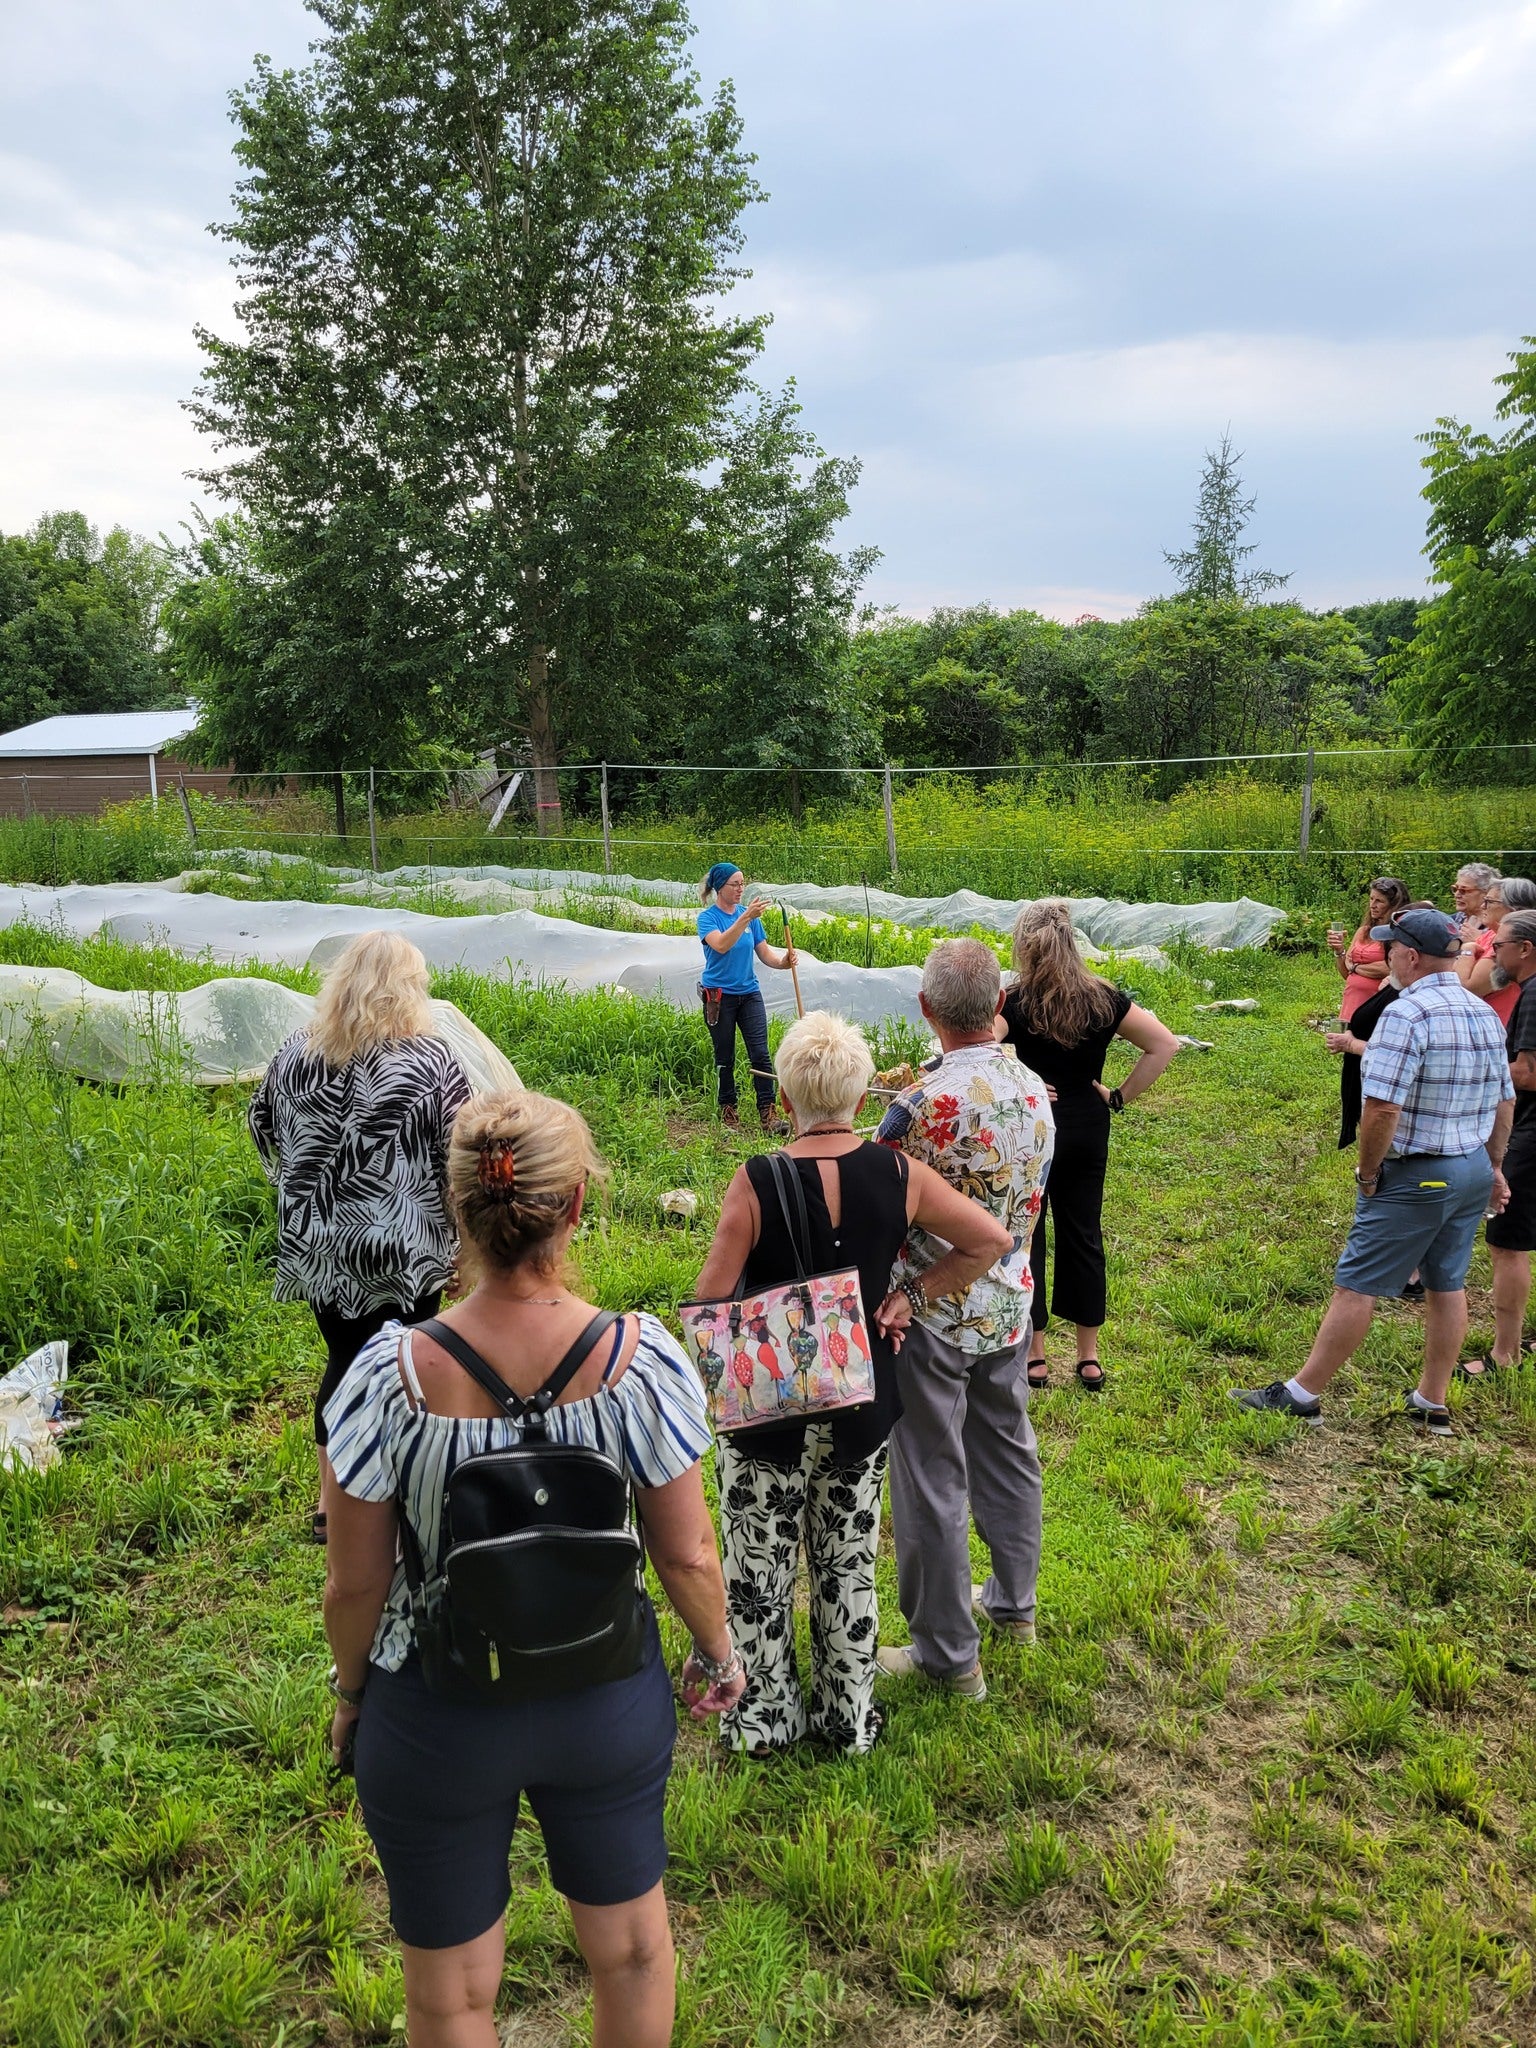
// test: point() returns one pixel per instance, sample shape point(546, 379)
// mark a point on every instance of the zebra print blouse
point(358, 1155)
point(652, 1422)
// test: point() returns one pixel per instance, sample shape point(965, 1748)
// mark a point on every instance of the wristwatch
point(346, 1694)
point(1116, 1100)
point(1367, 1180)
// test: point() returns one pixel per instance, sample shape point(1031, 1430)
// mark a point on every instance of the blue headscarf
point(720, 874)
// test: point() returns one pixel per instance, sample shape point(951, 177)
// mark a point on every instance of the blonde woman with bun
point(351, 1121)
point(1060, 1019)
point(784, 1482)
point(441, 1780)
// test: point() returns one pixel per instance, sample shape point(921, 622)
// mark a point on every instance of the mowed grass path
point(1268, 1778)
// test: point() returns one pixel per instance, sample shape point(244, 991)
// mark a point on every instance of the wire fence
point(1079, 827)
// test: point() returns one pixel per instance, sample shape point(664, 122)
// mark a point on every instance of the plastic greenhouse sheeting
point(222, 1031)
point(1104, 921)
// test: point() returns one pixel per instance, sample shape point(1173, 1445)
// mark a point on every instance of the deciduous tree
point(482, 247)
point(79, 621)
point(768, 657)
point(1468, 678)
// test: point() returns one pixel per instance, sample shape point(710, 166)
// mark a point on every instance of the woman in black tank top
point(818, 1482)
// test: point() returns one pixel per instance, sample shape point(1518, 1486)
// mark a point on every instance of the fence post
point(607, 827)
point(154, 785)
point(186, 808)
point(890, 820)
point(1306, 804)
point(373, 829)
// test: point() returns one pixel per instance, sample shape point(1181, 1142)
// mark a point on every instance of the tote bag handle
point(786, 1185)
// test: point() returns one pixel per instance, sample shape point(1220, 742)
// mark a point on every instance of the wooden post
point(607, 827)
point(186, 808)
point(154, 784)
point(794, 971)
point(890, 821)
point(26, 797)
point(373, 829)
point(506, 801)
point(1306, 805)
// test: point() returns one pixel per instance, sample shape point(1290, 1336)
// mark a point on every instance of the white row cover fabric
point(219, 1032)
point(1104, 921)
point(520, 944)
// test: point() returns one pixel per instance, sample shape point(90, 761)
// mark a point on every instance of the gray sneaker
point(1277, 1399)
point(1015, 1631)
point(898, 1662)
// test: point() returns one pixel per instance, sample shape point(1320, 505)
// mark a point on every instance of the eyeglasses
point(1512, 942)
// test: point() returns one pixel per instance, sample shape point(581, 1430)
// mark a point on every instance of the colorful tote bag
point(789, 1352)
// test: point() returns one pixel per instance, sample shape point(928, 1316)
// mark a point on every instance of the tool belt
point(710, 997)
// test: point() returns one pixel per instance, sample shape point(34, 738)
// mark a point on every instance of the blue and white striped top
point(652, 1422)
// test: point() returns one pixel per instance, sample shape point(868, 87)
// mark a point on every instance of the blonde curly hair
point(376, 989)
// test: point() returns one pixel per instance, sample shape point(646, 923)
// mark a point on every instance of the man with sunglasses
point(1512, 1234)
point(1434, 1124)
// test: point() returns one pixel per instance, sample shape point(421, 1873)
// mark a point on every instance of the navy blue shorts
point(1423, 1217)
point(440, 1782)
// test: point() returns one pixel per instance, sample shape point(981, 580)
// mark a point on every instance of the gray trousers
point(964, 1436)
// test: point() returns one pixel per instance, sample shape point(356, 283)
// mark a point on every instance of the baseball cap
point(1427, 931)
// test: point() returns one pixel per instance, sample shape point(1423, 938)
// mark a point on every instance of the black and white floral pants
point(766, 1513)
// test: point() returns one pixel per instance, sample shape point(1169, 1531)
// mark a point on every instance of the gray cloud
point(1027, 262)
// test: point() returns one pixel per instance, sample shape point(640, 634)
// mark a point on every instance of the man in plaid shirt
point(1438, 1102)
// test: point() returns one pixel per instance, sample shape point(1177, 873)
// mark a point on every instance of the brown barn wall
point(81, 785)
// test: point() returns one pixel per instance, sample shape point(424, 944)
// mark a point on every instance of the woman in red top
point(1362, 960)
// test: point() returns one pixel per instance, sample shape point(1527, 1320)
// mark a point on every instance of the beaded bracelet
point(915, 1292)
point(722, 1671)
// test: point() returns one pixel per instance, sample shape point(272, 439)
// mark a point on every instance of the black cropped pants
point(1074, 1202)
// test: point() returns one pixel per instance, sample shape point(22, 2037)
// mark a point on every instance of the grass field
point(1268, 1779)
point(1078, 832)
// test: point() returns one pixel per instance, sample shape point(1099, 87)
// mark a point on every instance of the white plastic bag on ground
point(32, 1407)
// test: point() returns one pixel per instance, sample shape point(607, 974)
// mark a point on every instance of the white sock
point(1419, 1401)
point(1298, 1392)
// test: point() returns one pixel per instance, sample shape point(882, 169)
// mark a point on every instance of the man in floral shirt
point(982, 1120)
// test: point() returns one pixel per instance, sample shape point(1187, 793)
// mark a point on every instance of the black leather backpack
point(539, 1583)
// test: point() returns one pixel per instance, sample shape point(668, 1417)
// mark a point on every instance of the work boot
point(730, 1116)
point(771, 1121)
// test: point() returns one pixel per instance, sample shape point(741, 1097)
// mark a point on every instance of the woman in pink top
point(1362, 960)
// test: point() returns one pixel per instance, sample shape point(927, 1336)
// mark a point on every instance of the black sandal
point(1482, 1368)
point(1090, 1365)
point(1038, 1375)
point(317, 1526)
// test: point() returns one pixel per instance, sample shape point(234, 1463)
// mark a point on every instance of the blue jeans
point(751, 1014)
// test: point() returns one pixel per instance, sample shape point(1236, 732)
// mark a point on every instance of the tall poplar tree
point(481, 248)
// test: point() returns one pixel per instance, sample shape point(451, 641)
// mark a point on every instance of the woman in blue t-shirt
point(731, 935)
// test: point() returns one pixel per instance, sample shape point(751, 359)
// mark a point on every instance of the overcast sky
point(1027, 262)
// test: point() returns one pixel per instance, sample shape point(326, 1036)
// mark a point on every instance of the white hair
point(824, 1067)
point(1478, 872)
